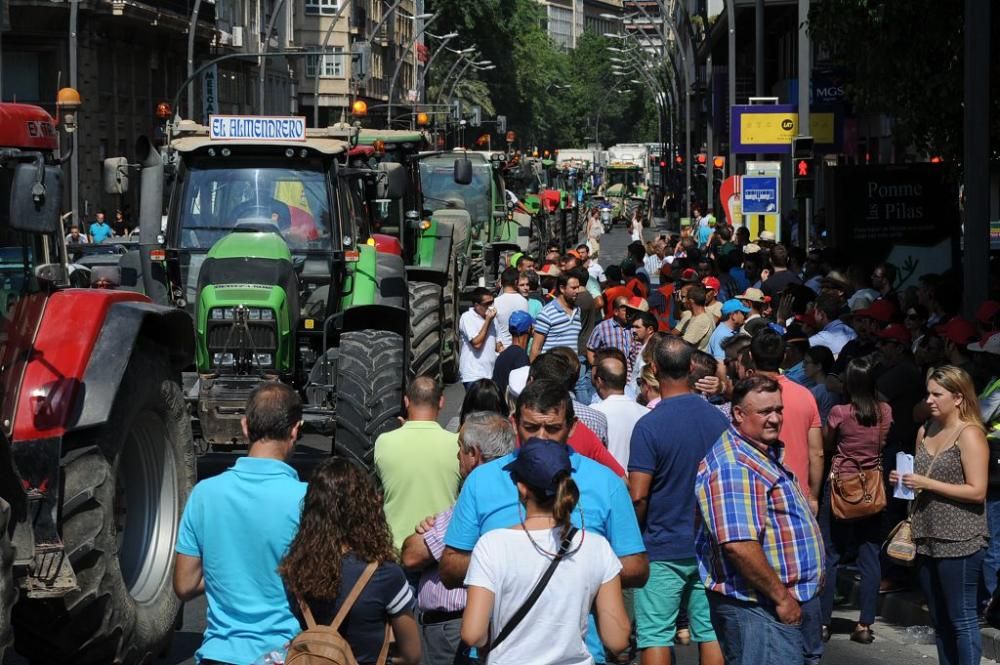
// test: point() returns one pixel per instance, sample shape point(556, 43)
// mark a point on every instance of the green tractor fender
point(435, 243)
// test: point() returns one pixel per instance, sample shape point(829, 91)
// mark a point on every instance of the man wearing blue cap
point(734, 314)
point(514, 356)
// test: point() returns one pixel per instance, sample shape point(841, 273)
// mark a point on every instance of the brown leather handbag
point(856, 493)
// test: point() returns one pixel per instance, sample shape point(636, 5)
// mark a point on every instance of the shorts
point(657, 604)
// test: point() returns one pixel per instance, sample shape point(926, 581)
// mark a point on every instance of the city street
point(891, 644)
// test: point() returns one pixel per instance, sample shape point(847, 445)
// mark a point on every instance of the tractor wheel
point(370, 375)
point(449, 331)
point(124, 491)
point(8, 588)
point(425, 330)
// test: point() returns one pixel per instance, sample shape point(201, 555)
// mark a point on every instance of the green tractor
point(427, 240)
point(491, 234)
point(626, 190)
point(269, 243)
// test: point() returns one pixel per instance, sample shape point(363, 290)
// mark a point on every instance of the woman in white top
point(508, 563)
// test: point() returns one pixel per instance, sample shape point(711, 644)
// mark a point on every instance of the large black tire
point(369, 391)
point(125, 486)
point(8, 589)
point(449, 330)
point(425, 329)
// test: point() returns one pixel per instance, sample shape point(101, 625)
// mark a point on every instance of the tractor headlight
point(264, 359)
point(222, 314)
point(223, 359)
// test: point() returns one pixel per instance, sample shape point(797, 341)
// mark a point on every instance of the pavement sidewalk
point(907, 608)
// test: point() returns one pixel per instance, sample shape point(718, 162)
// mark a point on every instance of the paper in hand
point(904, 465)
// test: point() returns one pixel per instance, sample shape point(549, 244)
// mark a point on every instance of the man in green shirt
point(417, 463)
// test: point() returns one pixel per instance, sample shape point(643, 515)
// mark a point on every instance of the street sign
point(477, 115)
point(257, 128)
point(501, 124)
point(771, 128)
point(760, 195)
point(210, 91)
point(456, 109)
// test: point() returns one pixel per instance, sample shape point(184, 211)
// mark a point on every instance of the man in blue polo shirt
point(489, 498)
point(100, 230)
point(559, 322)
point(235, 530)
point(667, 445)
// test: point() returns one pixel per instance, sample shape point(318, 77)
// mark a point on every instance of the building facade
point(567, 20)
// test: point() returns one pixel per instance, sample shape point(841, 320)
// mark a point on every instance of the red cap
point(987, 311)
point(635, 302)
point(689, 275)
point(712, 283)
point(958, 330)
point(882, 311)
point(666, 270)
point(895, 332)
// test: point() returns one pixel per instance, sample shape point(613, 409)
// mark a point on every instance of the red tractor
point(96, 456)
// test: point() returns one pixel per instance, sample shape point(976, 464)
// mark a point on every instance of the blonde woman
point(949, 519)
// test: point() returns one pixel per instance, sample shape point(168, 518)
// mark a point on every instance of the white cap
point(517, 380)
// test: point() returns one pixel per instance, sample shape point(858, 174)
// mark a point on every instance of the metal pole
point(192, 28)
point(447, 76)
point(427, 68)
point(976, 165)
point(74, 9)
point(399, 66)
point(457, 79)
point(709, 147)
point(758, 48)
point(731, 66)
point(805, 70)
point(319, 65)
point(263, 49)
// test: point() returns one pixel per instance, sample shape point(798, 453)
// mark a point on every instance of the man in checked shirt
point(484, 437)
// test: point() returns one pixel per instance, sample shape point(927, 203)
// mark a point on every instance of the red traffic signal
point(663, 163)
point(719, 162)
point(702, 158)
point(679, 159)
point(802, 168)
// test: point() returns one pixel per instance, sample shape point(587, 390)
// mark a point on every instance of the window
point(322, 6)
point(561, 26)
point(333, 65)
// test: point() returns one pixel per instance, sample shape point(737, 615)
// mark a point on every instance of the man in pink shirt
point(801, 429)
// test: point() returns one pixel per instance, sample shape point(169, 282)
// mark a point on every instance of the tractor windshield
point(437, 181)
point(621, 177)
point(294, 202)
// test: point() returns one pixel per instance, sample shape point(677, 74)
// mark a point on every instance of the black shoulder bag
point(523, 610)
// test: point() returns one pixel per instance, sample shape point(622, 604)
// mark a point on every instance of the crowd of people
point(648, 453)
point(101, 229)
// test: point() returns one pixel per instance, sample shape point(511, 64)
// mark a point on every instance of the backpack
point(324, 645)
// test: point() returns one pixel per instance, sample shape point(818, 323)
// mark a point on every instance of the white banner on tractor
point(257, 128)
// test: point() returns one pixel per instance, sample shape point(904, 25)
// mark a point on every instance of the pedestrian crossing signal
point(802, 169)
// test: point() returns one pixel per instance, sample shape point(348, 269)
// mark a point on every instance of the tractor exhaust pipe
point(150, 215)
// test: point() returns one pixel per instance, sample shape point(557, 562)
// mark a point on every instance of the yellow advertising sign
point(781, 128)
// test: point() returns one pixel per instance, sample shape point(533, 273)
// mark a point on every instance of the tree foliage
point(529, 82)
point(906, 60)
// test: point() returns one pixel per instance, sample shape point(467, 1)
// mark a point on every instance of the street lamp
point(423, 74)
point(399, 65)
point(462, 56)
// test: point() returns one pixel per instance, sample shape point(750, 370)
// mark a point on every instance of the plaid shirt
point(595, 421)
point(610, 334)
point(745, 493)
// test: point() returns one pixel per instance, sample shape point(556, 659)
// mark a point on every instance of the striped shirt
point(610, 334)
point(432, 596)
point(558, 327)
point(746, 494)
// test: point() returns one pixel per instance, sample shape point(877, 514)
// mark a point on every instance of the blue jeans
point(991, 561)
point(950, 587)
point(584, 389)
point(750, 634)
point(866, 534)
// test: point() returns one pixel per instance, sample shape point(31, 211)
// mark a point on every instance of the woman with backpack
point(531, 586)
point(856, 433)
point(343, 539)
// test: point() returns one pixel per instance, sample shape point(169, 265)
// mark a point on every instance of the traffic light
point(700, 165)
point(803, 167)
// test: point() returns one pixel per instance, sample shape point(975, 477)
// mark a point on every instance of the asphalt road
point(891, 645)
